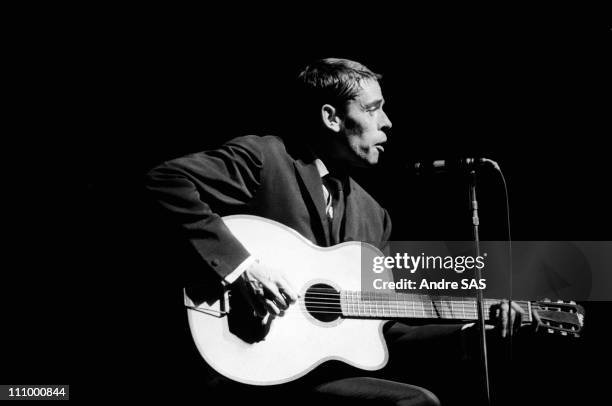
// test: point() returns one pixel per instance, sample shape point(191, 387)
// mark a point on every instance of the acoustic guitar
point(332, 320)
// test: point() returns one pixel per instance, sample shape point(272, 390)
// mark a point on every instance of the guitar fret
point(348, 302)
point(376, 305)
point(373, 304)
point(382, 304)
point(362, 304)
point(398, 306)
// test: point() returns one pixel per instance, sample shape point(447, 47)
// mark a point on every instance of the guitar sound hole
point(323, 302)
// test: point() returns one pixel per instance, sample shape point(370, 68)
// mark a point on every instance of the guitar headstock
point(565, 318)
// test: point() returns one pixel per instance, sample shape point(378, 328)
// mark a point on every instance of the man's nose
point(386, 123)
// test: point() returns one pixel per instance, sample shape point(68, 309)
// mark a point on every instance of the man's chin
point(368, 163)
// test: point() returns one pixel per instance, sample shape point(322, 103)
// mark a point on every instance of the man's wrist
point(240, 269)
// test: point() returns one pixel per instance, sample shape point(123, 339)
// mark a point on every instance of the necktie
point(334, 206)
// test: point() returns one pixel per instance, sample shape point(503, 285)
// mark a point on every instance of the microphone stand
point(479, 298)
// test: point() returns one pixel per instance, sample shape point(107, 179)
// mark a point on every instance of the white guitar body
point(297, 342)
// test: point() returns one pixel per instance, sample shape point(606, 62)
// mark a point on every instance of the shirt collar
point(321, 168)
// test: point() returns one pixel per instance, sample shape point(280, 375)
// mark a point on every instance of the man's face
point(362, 127)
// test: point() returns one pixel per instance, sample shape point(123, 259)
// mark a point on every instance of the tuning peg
point(559, 301)
point(572, 302)
point(550, 330)
point(564, 333)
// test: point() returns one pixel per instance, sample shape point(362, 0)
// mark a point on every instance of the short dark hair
point(332, 81)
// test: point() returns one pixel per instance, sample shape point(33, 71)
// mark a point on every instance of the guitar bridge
point(220, 308)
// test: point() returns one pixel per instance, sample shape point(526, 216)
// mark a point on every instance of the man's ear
point(330, 117)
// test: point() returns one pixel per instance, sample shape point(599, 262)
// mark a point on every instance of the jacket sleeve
point(198, 189)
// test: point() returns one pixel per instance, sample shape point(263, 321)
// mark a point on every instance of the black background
point(100, 101)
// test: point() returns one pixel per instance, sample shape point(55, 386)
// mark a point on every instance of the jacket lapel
point(311, 184)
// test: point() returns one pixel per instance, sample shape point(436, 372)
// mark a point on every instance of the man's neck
point(332, 164)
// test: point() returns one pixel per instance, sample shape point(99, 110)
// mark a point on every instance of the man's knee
point(424, 398)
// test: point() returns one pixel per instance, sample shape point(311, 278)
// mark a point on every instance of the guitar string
point(416, 307)
point(380, 294)
point(374, 308)
point(468, 317)
point(403, 298)
point(392, 306)
point(369, 307)
point(400, 298)
point(400, 316)
point(354, 301)
point(397, 301)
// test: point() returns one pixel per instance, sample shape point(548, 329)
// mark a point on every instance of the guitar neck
point(387, 306)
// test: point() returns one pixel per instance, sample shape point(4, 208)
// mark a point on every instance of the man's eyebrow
point(376, 103)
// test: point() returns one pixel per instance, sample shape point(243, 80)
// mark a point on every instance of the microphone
point(448, 165)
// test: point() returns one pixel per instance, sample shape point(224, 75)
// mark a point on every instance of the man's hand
point(266, 290)
point(499, 315)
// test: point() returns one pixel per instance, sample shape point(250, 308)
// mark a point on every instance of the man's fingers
point(287, 289)
point(269, 284)
point(519, 315)
point(518, 308)
point(275, 295)
point(255, 302)
point(503, 309)
point(509, 316)
point(507, 323)
point(272, 307)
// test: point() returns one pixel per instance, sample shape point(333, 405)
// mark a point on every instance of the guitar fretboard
point(402, 305)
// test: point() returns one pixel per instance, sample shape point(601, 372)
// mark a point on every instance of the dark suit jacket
point(259, 176)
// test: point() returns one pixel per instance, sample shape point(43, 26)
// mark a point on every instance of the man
point(304, 182)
